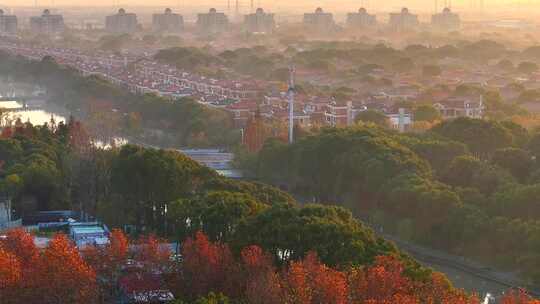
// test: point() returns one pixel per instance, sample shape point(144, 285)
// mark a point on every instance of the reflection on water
point(10, 105)
point(116, 142)
point(35, 116)
point(40, 113)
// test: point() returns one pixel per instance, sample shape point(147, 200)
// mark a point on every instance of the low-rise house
point(44, 217)
point(400, 121)
point(339, 114)
point(459, 107)
point(6, 220)
point(88, 234)
point(300, 117)
point(242, 111)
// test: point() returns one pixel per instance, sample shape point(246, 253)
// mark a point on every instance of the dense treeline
point(109, 110)
point(37, 165)
point(257, 61)
point(467, 186)
point(56, 167)
point(349, 58)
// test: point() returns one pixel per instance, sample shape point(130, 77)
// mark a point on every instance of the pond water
point(36, 114)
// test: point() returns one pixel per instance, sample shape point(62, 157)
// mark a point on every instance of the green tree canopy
point(481, 137)
point(372, 116)
point(426, 113)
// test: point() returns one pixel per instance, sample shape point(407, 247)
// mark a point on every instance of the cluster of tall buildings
point(8, 23)
point(260, 22)
point(319, 21)
point(404, 20)
point(121, 22)
point(361, 19)
point(214, 22)
point(47, 23)
point(127, 23)
point(446, 20)
point(168, 22)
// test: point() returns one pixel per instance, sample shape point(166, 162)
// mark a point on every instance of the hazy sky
point(419, 3)
point(521, 7)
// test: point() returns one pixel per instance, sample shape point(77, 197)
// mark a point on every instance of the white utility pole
point(291, 103)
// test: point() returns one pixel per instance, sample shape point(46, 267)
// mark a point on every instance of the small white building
point(6, 220)
point(88, 234)
point(400, 121)
point(457, 107)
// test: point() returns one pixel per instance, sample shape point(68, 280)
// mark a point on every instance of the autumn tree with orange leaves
point(262, 283)
point(310, 281)
point(206, 266)
point(58, 274)
point(307, 281)
point(55, 275)
point(518, 297)
point(10, 276)
point(63, 276)
point(108, 261)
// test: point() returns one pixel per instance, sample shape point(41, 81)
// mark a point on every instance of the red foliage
point(518, 297)
point(296, 280)
point(384, 282)
point(206, 266)
point(136, 282)
point(119, 245)
point(10, 277)
point(439, 290)
point(7, 132)
point(262, 283)
point(56, 275)
point(310, 281)
point(150, 252)
point(59, 275)
point(63, 276)
point(21, 244)
point(10, 270)
point(79, 139)
point(108, 261)
point(380, 283)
